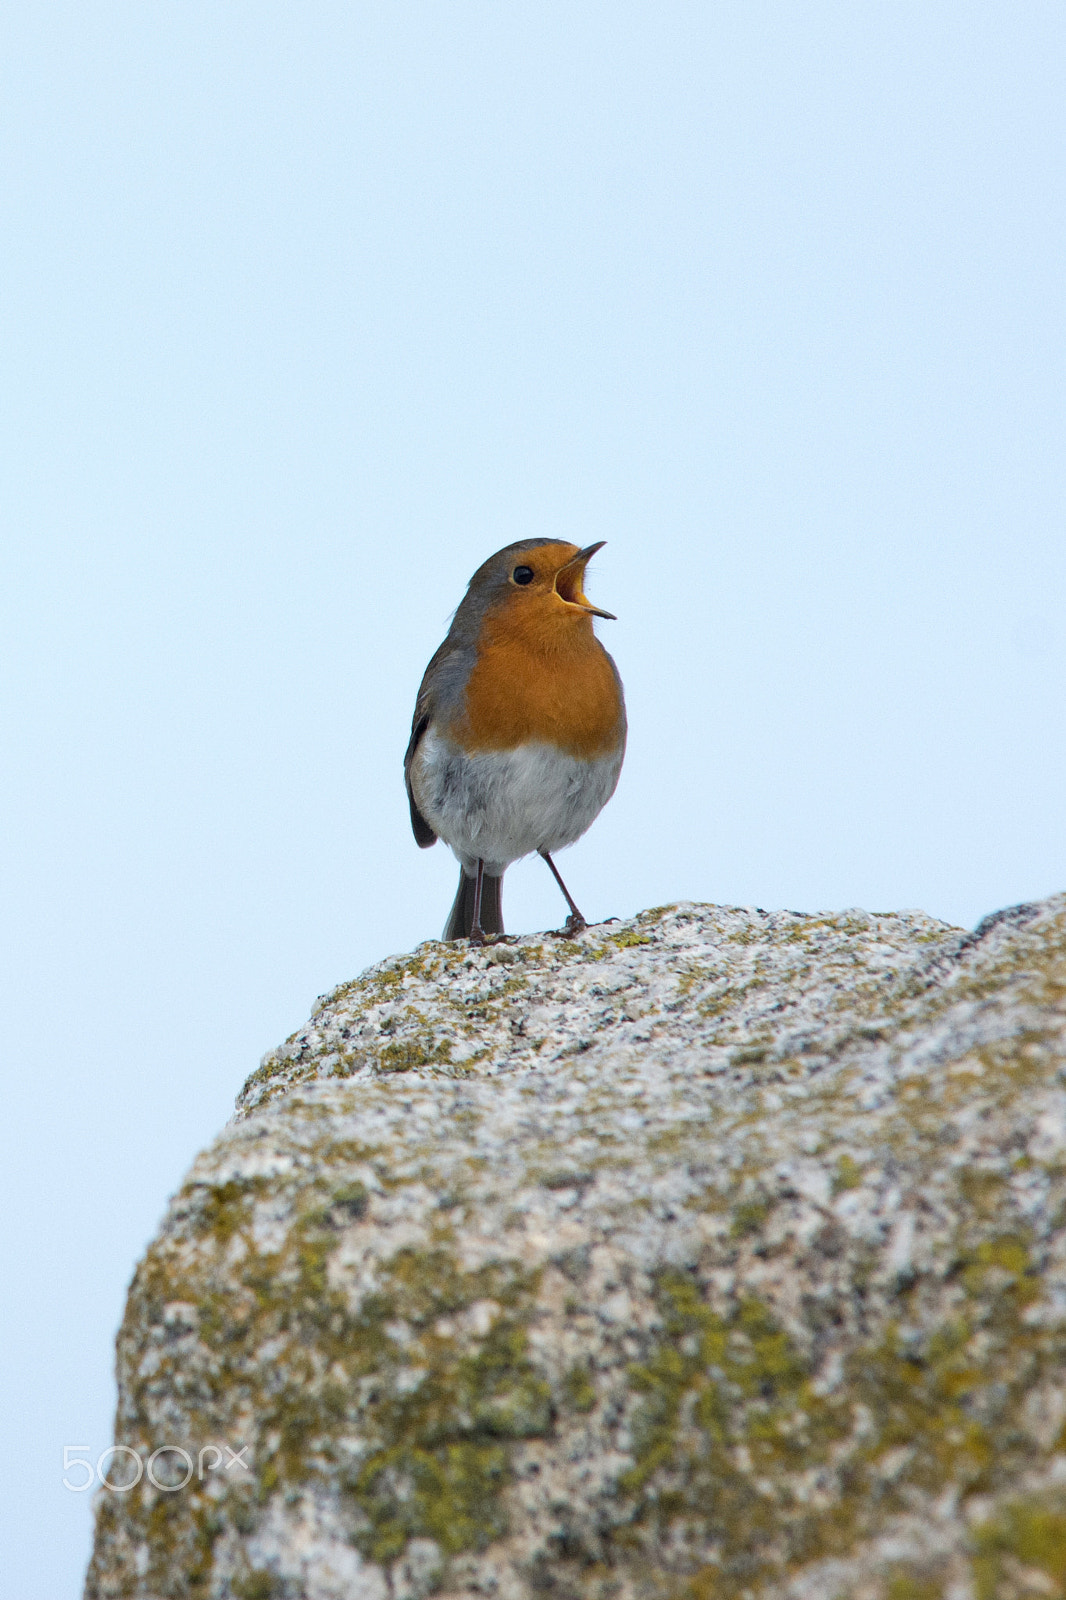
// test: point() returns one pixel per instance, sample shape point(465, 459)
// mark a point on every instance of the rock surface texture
point(712, 1254)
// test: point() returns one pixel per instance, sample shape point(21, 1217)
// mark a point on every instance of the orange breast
point(541, 676)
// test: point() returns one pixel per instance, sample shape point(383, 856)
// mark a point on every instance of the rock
point(712, 1254)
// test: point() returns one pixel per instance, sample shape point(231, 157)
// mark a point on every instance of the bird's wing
point(442, 687)
point(423, 833)
point(425, 709)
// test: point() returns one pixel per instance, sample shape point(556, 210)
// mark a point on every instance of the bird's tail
point(461, 919)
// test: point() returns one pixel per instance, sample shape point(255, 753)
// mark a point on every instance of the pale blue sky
point(307, 310)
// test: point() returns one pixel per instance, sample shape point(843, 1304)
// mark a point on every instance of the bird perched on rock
point(519, 727)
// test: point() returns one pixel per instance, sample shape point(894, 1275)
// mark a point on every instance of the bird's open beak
point(568, 582)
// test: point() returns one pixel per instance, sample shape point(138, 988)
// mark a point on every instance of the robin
point(519, 727)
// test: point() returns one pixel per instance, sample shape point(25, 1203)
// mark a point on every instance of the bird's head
point(538, 583)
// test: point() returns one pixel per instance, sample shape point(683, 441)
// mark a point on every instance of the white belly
point(499, 805)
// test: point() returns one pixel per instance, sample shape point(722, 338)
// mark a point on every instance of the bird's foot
point(479, 938)
point(574, 924)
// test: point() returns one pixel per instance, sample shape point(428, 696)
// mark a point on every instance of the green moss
point(258, 1584)
point(268, 1072)
point(423, 1051)
point(749, 1216)
point(730, 1423)
point(342, 1152)
point(351, 1199)
point(749, 1055)
point(450, 1494)
point(691, 973)
point(727, 1408)
point(347, 1203)
point(436, 1394)
point(565, 1178)
point(439, 1456)
point(628, 938)
point(848, 1174)
point(1010, 1253)
point(179, 1531)
point(222, 1209)
point(668, 1141)
point(702, 1586)
point(953, 1398)
point(905, 1584)
point(1030, 1535)
point(579, 1389)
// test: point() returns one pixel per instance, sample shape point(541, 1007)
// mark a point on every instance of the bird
point(519, 728)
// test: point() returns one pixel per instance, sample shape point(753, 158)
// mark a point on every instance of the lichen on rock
point(713, 1254)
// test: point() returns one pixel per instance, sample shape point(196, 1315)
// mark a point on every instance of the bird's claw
point(570, 928)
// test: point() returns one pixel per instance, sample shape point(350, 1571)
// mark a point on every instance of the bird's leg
point(478, 936)
point(477, 932)
point(575, 922)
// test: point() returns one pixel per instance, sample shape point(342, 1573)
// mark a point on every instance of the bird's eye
point(522, 574)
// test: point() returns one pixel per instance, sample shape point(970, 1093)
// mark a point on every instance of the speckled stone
point(713, 1254)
